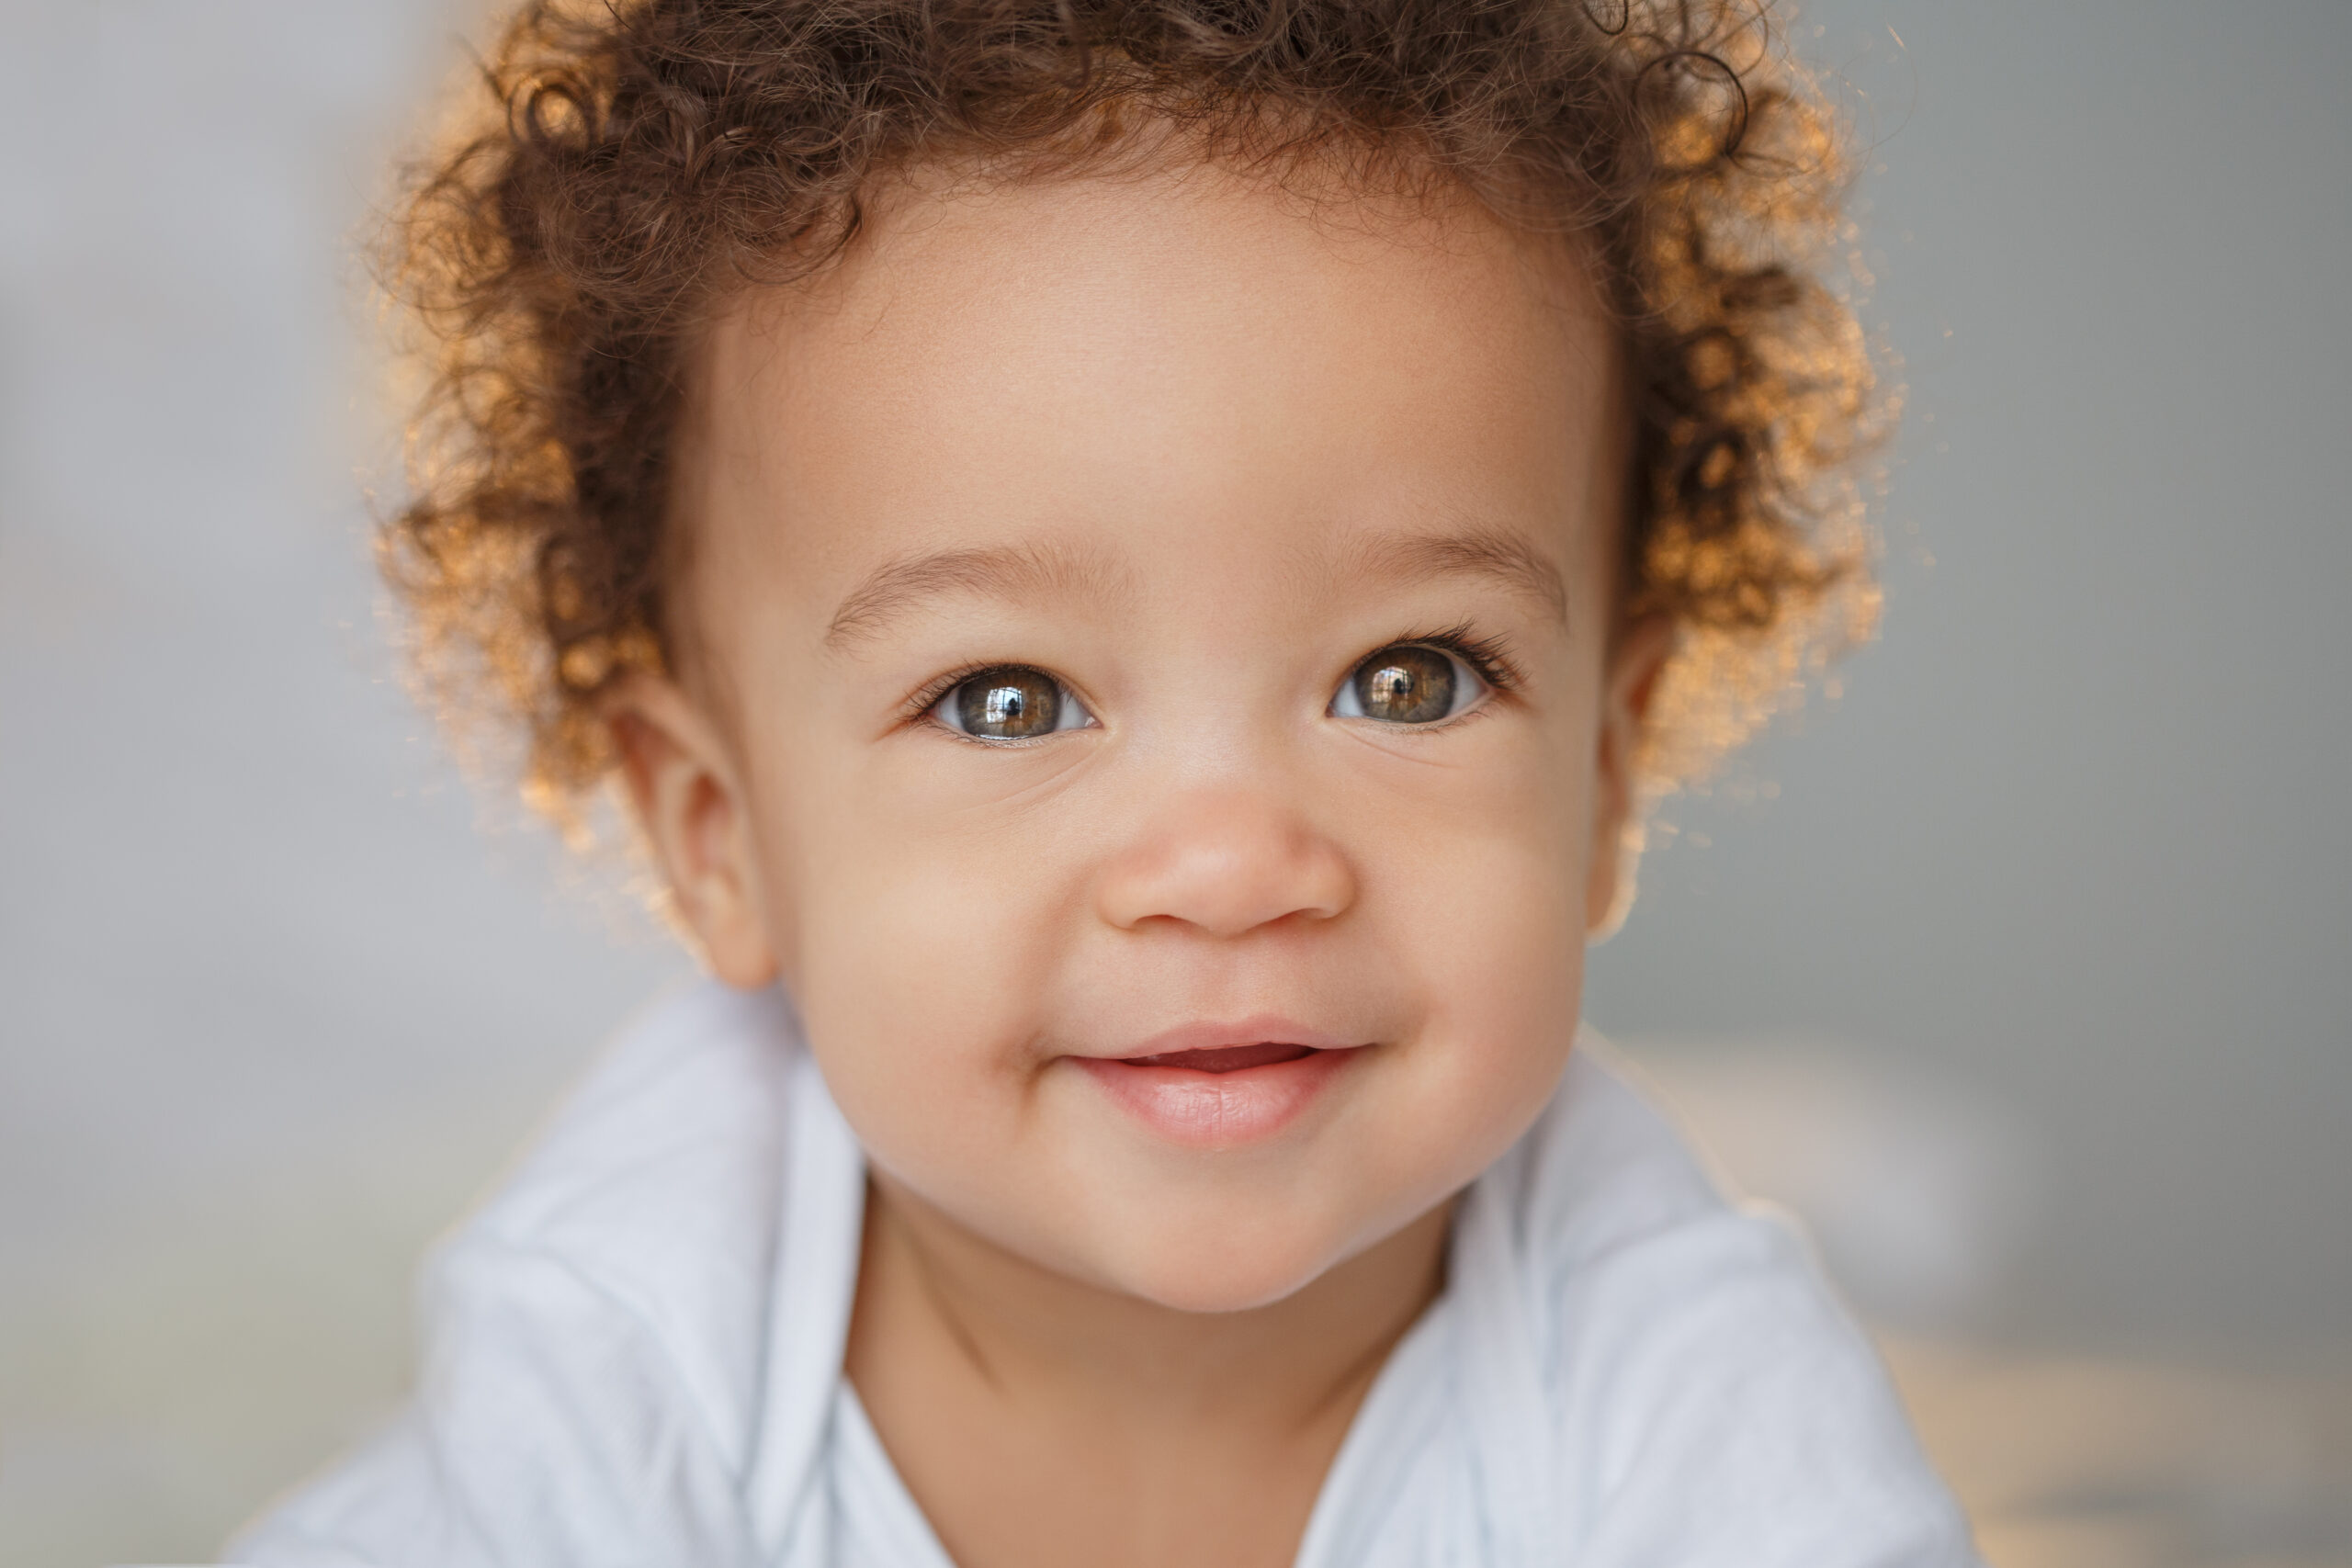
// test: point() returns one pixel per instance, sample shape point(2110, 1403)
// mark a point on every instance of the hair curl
point(633, 162)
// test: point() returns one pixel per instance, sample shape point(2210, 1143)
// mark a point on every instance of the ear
point(1614, 853)
point(690, 804)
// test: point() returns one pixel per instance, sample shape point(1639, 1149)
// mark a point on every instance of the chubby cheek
point(1501, 954)
point(1487, 919)
point(923, 950)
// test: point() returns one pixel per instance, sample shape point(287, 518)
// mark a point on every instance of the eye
point(1009, 703)
point(1408, 684)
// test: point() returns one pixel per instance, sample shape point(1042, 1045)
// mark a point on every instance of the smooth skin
point(1193, 447)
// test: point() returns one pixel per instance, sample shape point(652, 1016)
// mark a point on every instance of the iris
point(1010, 703)
point(1404, 685)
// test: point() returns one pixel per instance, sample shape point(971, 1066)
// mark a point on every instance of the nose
point(1225, 865)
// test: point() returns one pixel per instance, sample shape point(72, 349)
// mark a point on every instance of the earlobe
point(1615, 852)
point(685, 794)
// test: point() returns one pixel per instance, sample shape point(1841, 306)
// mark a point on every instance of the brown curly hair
point(633, 163)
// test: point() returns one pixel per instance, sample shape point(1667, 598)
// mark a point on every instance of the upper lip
point(1259, 1030)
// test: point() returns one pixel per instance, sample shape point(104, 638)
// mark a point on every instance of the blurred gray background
point(2022, 969)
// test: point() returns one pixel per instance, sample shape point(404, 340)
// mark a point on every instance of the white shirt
point(634, 1356)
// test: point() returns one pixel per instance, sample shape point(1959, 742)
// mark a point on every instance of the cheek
point(1494, 918)
point(925, 941)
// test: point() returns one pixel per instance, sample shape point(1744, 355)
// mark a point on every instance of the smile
point(1223, 1086)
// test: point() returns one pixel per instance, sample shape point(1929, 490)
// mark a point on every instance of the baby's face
point(1152, 702)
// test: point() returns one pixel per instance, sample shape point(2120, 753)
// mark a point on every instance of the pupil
point(1009, 704)
point(1406, 685)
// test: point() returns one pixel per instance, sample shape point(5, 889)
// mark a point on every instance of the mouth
point(1224, 1058)
point(1222, 1086)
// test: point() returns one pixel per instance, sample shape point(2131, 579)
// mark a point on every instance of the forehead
point(1178, 360)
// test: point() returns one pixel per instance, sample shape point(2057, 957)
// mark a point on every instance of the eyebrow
point(1003, 572)
point(1501, 558)
point(1011, 571)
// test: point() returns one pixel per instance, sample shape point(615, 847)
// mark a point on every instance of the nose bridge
point(1226, 856)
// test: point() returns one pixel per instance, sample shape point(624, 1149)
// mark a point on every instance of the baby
point(1136, 560)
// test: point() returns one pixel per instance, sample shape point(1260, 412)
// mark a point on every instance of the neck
point(963, 1308)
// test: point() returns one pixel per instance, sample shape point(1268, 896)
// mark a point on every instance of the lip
point(1204, 1103)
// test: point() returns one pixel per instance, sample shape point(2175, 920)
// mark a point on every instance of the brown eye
point(1406, 685)
point(1010, 704)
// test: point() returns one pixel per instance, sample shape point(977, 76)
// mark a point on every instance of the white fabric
point(634, 1358)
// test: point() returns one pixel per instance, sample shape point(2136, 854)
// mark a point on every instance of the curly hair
point(633, 163)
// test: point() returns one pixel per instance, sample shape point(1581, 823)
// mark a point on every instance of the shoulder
point(1709, 1398)
point(594, 1336)
point(658, 1177)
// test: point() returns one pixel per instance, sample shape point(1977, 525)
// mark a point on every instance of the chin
point(1215, 1286)
point(1205, 1265)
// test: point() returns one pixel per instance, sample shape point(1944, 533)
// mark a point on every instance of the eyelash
point(1487, 657)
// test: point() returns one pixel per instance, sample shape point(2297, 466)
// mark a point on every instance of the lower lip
point(1218, 1110)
